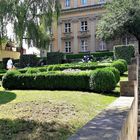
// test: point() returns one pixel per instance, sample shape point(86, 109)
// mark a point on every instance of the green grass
point(48, 115)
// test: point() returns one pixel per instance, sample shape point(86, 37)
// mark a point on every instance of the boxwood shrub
point(48, 81)
point(115, 72)
point(102, 80)
point(120, 66)
point(124, 52)
point(124, 62)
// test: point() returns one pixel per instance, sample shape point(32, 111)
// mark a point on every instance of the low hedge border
point(100, 80)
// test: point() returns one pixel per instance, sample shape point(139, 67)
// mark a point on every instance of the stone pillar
point(127, 88)
point(132, 72)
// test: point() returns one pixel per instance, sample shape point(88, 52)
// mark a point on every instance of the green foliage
point(28, 60)
point(95, 55)
point(120, 66)
point(122, 18)
point(124, 62)
point(102, 80)
point(124, 52)
point(49, 81)
point(115, 72)
point(55, 58)
point(32, 71)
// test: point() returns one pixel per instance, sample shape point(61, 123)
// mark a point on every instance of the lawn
point(48, 115)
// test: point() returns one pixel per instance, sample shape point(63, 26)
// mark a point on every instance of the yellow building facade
point(76, 28)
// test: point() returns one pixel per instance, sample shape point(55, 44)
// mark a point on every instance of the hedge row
point(60, 67)
point(96, 54)
point(100, 80)
point(125, 52)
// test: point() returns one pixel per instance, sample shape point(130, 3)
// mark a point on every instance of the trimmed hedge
point(119, 65)
point(115, 72)
point(49, 81)
point(102, 80)
point(125, 52)
point(96, 54)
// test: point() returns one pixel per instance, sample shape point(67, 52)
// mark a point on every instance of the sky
point(11, 35)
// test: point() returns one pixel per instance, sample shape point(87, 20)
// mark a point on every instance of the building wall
point(90, 12)
point(7, 54)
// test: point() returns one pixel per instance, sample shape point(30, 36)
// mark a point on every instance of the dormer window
point(67, 3)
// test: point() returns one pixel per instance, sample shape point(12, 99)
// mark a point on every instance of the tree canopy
point(31, 19)
point(122, 17)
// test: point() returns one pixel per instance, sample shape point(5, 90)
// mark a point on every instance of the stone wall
point(119, 120)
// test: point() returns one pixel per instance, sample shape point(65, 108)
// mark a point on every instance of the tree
point(122, 17)
point(28, 17)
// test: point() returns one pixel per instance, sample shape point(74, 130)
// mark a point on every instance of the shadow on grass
point(31, 130)
point(6, 97)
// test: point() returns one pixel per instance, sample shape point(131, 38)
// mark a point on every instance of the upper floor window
point(83, 2)
point(84, 45)
point(67, 3)
point(84, 26)
point(67, 27)
point(102, 1)
point(67, 46)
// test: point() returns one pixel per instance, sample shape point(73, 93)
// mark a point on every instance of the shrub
point(49, 81)
point(28, 60)
point(102, 80)
point(32, 70)
point(55, 57)
point(96, 55)
point(115, 72)
point(125, 52)
point(124, 62)
point(120, 66)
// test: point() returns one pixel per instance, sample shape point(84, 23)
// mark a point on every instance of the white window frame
point(67, 3)
point(84, 25)
point(83, 2)
point(67, 27)
point(102, 1)
point(67, 46)
point(84, 45)
point(102, 45)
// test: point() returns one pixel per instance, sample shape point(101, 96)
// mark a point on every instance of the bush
point(125, 52)
point(115, 72)
point(49, 81)
point(102, 80)
point(55, 58)
point(28, 60)
point(97, 55)
point(124, 62)
point(119, 65)
point(32, 70)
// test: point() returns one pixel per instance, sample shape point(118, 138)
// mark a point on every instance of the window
point(102, 1)
point(102, 45)
point(67, 27)
point(67, 3)
point(84, 45)
point(67, 46)
point(84, 26)
point(83, 2)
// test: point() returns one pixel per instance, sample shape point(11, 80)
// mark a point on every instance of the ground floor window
point(102, 45)
point(84, 45)
point(68, 46)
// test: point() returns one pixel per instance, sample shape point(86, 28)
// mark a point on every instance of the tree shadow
point(20, 129)
point(6, 97)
